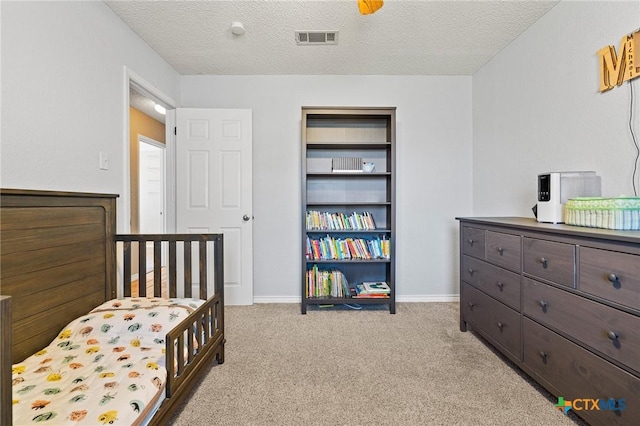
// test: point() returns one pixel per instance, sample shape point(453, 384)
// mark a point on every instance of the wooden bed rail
point(175, 242)
point(5, 360)
point(199, 339)
point(199, 333)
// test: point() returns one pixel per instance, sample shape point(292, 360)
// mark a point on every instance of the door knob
point(246, 218)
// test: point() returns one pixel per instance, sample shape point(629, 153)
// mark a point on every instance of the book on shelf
point(347, 164)
point(376, 287)
point(370, 290)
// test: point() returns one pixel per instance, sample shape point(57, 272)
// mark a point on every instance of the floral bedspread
point(106, 367)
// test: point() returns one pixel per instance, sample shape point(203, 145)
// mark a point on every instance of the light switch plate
point(104, 161)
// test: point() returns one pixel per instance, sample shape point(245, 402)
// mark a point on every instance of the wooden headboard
point(57, 260)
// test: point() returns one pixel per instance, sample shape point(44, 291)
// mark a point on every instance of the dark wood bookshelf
point(366, 133)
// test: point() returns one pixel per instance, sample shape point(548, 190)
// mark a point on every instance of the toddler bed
point(78, 353)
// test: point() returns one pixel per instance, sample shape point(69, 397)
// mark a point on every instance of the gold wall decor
point(618, 68)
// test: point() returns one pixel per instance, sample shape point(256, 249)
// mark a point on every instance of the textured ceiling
point(428, 37)
point(143, 102)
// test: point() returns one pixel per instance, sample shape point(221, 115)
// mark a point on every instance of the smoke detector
point(310, 38)
point(237, 28)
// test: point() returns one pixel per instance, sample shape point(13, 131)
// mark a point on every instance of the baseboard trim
point(429, 298)
point(402, 299)
point(276, 299)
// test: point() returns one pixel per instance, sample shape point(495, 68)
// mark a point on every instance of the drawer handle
point(470, 241)
point(471, 271)
point(500, 250)
point(615, 280)
point(471, 305)
point(543, 355)
point(544, 262)
point(500, 285)
point(500, 325)
point(544, 305)
point(613, 336)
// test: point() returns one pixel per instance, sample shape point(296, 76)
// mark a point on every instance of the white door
point(151, 186)
point(214, 189)
point(151, 189)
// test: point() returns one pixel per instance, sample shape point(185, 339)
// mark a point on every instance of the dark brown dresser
point(563, 303)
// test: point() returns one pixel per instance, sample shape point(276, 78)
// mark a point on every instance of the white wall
point(433, 164)
point(536, 108)
point(63, 95)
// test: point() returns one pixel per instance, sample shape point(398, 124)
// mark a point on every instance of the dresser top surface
point(531, 224)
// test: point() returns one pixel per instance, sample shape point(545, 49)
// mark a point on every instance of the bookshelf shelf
point(347, 175)
point(347, 231)
point(349, 261)
point(345, 140)
point(344, 300)
point(349, 145)
point(348, 203)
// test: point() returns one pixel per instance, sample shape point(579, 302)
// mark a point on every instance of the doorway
point(143, 119)
point(151, 185)
point(147, 194)
point(151, 191)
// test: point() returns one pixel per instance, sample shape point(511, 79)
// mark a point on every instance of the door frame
point(131, 77)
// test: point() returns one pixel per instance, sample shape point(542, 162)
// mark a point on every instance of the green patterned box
point(621, 213)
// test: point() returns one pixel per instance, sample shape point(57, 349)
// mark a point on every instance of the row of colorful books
point(326, 283)
point(331, 248)
point(326, 221)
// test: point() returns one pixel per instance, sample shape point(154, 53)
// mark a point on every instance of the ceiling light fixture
point(162, 110)
point(237, 28)
point(368, 7)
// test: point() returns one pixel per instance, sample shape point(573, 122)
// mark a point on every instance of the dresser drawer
point(612, 332)
point(578, 374)
point(475, 308)
point(611, 275)
point(495, 320)
point(473, 240)
point(550, 260)
point(504, 250)
point(497, 282)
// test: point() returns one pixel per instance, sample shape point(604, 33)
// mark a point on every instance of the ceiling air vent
point(310, 38)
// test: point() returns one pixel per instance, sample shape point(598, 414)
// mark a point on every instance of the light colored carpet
point(344, 367)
